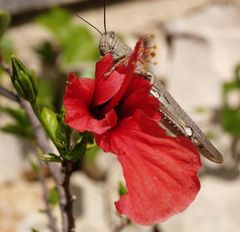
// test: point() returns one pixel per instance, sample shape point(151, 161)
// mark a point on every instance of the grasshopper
point(175, 118)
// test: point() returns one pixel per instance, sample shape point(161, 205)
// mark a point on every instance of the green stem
point(66, 202)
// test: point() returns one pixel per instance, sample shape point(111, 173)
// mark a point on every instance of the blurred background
point(198, 59)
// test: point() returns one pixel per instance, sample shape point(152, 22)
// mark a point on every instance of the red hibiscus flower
point(160, 171)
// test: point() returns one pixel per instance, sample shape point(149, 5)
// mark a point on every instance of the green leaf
point(50, 157)
point(79, 46)
point(35, 167)
point(77, 43)
point(6, 49)
point(210, 134)
point(91, 154)
point(201, 110)
point(230, 119)
point(53, 128)
point(122, 189)
point(20, 125)
point(34, 230)
point(4, 21)
point(53, 196)
point(78, 151)
point(229, 86)
point(46, 94)
point(16, 114)
point(237, 73)
point(56, 20)
point(17, 130)
point(47, 53)
point(63, 126)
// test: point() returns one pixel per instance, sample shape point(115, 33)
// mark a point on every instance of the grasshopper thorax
point(110, 43)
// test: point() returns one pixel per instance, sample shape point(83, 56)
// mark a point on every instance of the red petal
point(104, 65)
point(127, 80)
point(77, 100)
point(106, 87)
point(138, 82)
point(138, 98)
point(80, 88)
point(160, 171)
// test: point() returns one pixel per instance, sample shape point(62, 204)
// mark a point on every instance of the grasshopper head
point(110, 43)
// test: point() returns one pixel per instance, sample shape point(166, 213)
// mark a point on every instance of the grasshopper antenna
point(89, 24)
point(104, 14)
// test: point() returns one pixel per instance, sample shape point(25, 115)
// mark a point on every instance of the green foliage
point(53, 196)
point(122, 189)
point(53, 128)
point(229, 114)
point(80, 147)
point(210, 134)
point(47, 53)
point(46, 94)
point(64, 127)
point(201, 110)
point(231, 121)
point(237, 73)
point(35, 167)
point(49, 157)
point(17, 114)
point(78, 151)
point(5, 44)
point(228, 87)
point(91, 154)
point(34, 230)
point(20, 125)
point(76, 42)
point(15, 129)
point(74, 47)
point(4, 21)
point(51, 81)
point(6, 49)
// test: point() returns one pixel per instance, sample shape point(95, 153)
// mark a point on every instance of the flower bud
point(24, 80)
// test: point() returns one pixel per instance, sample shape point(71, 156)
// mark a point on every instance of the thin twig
point(66, 199)
point(52, 219)
point(41, 138)
point(8, 94)
point(68, 204)
point(37, 128)
point(43, 145)
point(5, 67)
